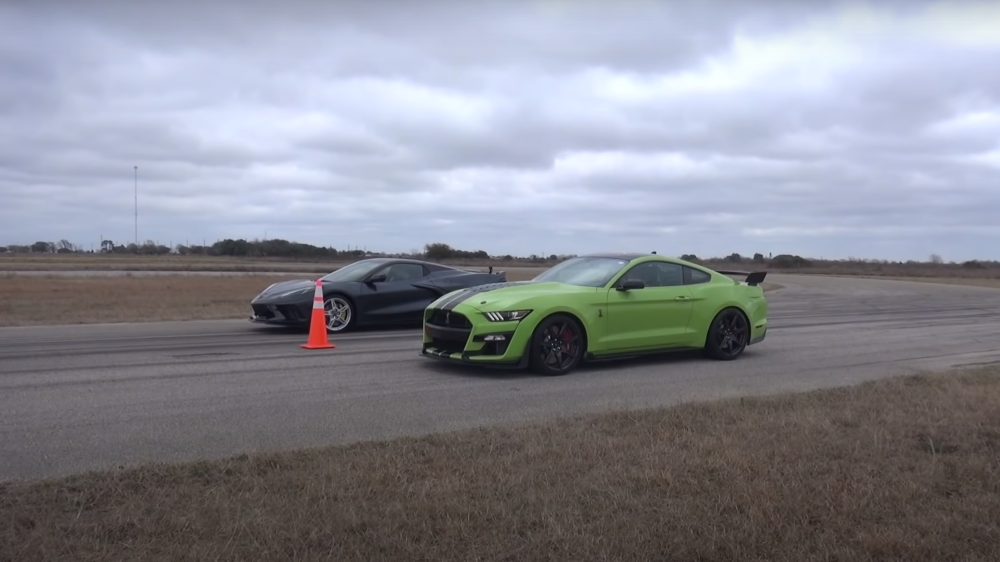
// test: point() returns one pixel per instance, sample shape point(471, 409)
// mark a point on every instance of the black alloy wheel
point(728, 336)
point(556, 346)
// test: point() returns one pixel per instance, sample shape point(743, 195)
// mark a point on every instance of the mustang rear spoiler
point(752, 278)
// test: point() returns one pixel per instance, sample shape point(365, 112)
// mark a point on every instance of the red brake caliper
point(567, 335)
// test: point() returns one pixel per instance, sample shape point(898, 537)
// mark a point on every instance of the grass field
point(901, 469)
point(967, 281)
point(127, 262)
point(50, 300)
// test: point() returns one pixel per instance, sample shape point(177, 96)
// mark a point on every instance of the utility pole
point(137, 207)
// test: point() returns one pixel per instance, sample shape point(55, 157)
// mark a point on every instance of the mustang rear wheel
point(557, 345)
point(728, 336)
point(339, 314)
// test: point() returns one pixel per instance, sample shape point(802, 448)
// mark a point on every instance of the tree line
point(271, 248)
point(276, 248)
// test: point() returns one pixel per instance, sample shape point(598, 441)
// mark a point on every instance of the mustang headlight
point(506, 315)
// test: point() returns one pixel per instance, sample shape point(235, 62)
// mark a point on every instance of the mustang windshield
point(355, 271)
point(588, 272)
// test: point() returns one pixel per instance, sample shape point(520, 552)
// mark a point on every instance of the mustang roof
point(617, 255)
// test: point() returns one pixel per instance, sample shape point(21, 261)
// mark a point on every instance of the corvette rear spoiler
point(490, 270)
point(753, 278)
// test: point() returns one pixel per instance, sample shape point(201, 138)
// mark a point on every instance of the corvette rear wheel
point(728, 336)
point(339, 314)
point(557, 346)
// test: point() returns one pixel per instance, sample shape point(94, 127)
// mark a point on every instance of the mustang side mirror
point(630, 284)
point(376, 278)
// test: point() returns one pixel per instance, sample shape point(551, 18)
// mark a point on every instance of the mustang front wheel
point(339, 314)
point(557, 346)
point(728, 336)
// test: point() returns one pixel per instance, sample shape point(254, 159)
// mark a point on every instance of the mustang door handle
point(681, 298)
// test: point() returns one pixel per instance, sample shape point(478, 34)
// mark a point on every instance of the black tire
point(728, 336)
point(557, 346)
point(333, 327)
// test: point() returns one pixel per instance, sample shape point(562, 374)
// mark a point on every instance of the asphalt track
point(76, 398)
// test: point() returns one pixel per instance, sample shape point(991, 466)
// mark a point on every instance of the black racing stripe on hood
point(457, 295)
point(466, 294)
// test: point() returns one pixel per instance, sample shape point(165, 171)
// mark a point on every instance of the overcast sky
point(512, 126)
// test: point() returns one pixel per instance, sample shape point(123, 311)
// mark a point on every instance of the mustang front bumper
point(464, 335)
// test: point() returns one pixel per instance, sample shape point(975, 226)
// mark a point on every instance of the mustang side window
point(655, 274)
point(671, 275)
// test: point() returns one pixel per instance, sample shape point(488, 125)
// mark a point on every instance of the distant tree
point(936, 259)
point(758, 258)
point(438, 251)
point(789, 261)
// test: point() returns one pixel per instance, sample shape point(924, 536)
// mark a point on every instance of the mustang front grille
point(449, 319)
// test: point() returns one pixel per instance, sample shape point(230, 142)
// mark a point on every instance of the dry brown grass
point(873, 269)
point(128, 262)
point(98, 262)
point(967, 281)
point(38, 300)
point(904, 469)
point(28, 300)
point(51, 300)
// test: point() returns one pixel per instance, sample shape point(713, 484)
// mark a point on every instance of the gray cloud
point(515, 127)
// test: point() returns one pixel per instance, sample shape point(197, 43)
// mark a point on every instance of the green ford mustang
point(595, 307)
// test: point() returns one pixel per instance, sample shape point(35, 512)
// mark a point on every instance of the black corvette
point(379, 291)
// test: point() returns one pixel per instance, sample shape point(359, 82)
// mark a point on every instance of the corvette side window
point(403, 271)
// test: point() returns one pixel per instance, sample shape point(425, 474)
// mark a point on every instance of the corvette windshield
point(355, 271)
point(587, 272)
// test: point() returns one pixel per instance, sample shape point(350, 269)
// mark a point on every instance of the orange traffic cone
point(317, 325)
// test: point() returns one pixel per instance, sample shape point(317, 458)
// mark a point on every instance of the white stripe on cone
point(318, 295)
